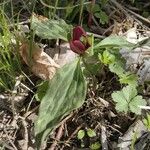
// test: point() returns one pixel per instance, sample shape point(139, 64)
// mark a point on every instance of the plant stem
point(91, 13)
point(56, 3)
point(81, 11)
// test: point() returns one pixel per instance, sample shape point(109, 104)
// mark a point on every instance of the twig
point(14, 92)
point(123, 9)
point(138, 16)
point(114, 129)
point(58, 137)
point(91, 13)
point(28, 78)
point(62, 8)
point(64, 120)
point(120, 7)
point(145, 107)
point(5, 145)
point(26, 87)
point(30, 104)
point(96, 35)
point(31, 111)
point(104, 138)
point(59, 134)
point(26, 137)
point(108, 29)
point(71, 136)
point(13, 145)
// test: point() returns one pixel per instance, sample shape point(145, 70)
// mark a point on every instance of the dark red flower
point(80, 43)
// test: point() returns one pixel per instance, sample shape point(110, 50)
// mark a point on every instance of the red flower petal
point(77, 47)
point(78, 32)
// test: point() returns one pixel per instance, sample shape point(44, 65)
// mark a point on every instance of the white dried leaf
point(66, 55)
point(144, 72)
point(138, 61)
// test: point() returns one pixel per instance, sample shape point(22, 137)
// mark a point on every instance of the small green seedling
point(147, 122)
point(95, 146)
point(91, 133)
point(81, 134)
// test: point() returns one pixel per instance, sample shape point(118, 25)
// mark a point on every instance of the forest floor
point(96, 124)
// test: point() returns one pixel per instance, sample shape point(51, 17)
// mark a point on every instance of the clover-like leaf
point(128, 100)
point(106, 57)
point(128, 78)
point(136, 103)
point(117, 68)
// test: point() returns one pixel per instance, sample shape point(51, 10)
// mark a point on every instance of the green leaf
point(106, 57)
point(128, 100)
point(147, 121)
point(92, 65)
point(128, 78)
point(91, 132)
point(117, 68)
point(114, 41)
point(81, 134)
point(103, 17)
point(41, 91)
point(121, 103)
point(51, 29)
point(135, 103)
point(66, 92)
point(95, 146)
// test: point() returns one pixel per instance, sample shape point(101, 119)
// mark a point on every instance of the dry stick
point(14, 92)
point(58, 137)
point(13, 145)
point(124, 11)
point(72, 135)
point(5, 145)
point(120, 7)
point(138, 16)
point(104, 138)
point(25, 134)
point(114, 129)
point(91, 13)
point(60, 131)
point(96, 35)
point(64, 120)
point(30, 112)
point(61, 8)
point(28, 107)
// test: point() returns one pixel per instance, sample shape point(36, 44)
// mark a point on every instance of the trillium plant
point(66, 91)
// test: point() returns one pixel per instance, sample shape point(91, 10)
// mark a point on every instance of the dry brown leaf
point(41, 64)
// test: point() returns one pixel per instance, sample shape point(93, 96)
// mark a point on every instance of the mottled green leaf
point(51, 29)
point(66, 92)
point(114, 41)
